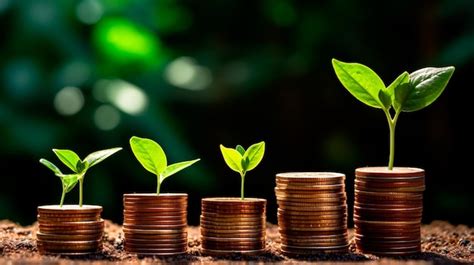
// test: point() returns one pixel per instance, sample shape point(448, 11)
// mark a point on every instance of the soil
point(442, 243)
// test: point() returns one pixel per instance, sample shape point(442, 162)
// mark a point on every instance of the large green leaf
point(176, 167)
point(232, 158)
point(68, 157)
point(149, 153)
point(254, 154)
point(361, 81)
point(99, 156)
point(426, 85)
point(51, 166)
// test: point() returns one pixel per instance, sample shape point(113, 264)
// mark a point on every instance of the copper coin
point(385, 172)
point(217, 252)
point(135, 236)
point(233, 227)
point(231, 217)
point(205, 223)
point(74, 246)
point(310, 176)
point(305, 249)
point(155, 244)
point(247, 202)
point(59, 237)
point(304, 190)
point(69, 209)
point(233, 235)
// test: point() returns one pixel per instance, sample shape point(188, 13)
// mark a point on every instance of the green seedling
point(78, 166)
point(242, 161)
point(152, 157)
point(407, 93)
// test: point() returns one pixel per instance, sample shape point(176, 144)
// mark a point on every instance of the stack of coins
point(69, 230)
point(312, 213)
point(155, 225)
point(232, 225)
point(387, 210)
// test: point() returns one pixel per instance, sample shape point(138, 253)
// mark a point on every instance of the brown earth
point(442, 243)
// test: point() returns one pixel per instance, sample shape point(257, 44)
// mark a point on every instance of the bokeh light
point(89, 11)
point(69, 101)
point(123, 95)
point(106, 117)
point(124, 42)
point(184, 72)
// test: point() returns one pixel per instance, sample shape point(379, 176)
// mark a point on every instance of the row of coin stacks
point(312, 219)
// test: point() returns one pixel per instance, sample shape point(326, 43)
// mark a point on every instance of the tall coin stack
point(155, 225)
point(312, 213)
point(388, 209)
point(69, 230)
point(232, 225)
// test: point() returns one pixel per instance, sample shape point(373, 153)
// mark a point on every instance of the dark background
point(87, 75)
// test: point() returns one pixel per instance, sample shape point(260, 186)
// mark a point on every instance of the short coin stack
point(232, 225)
point(312, 213)
point(69, 230)
point(155, 225)
point(388, 209)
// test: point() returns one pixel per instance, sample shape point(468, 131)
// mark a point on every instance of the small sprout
point(78, 166)
point(408, 93)
point(152, 157)
point(242, 161)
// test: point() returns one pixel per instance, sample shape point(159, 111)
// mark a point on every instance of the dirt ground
point(442, 243)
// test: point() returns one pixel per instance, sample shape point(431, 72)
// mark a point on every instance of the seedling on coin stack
point(71, 229)
point(389, 200)
point(155, 223)
point(235, 225)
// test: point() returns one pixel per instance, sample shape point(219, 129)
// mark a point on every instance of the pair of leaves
point(409, 92)
point(152, 157)
point(241, 160)
point(78, 166)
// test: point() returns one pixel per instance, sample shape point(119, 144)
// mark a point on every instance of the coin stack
point(232, 225)
point(155, 225)
point(69, 230)
point(312, 213)
point(388, 209)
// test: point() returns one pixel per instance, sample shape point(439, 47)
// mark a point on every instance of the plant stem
point(242, 186)
point(392, 123)
point(159, 185)
point(62, 197)
point(81, 181)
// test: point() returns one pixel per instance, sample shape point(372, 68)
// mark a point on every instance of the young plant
point(407, 93)
point(78, 166)
point(242, 161)
point(152, 157)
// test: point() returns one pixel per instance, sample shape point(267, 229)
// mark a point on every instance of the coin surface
point(232, 225)
point(312, 212)
point(155, 225)
point(387, 210)
point(69, 230)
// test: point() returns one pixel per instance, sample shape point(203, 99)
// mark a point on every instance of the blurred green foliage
point(88, 74)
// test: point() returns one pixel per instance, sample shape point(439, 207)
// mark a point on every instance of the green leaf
point(385, 98)
point(254, 154)
point(99, 156)
point(396, 87)
point(51, 166)
point(400, 96)
point(240, 149)
point(68, 157)
point(232, 158)
point(82, 166)
point(69, 181)
point(245, 163)
point(149, 153)
point(176, 167)
point(361, 81)
point(426, 85)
